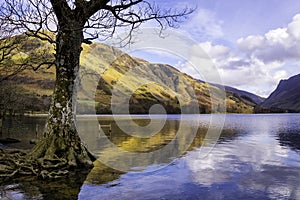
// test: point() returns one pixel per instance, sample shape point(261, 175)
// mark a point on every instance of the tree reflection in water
point(34, 188)
point(69, 188)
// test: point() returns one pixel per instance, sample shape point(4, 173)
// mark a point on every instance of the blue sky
point(252, 43)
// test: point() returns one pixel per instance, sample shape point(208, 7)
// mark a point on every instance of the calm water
point(256, 157)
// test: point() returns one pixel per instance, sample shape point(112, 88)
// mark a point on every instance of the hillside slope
point(285, 98)
point(145, 83)
point(246, 96)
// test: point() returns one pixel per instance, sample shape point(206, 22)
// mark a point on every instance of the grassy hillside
point(108, 70)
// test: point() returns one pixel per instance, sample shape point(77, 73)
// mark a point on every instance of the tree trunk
point(61, 141)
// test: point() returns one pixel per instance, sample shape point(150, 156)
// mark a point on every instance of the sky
point(253, 44)
point(249, 44)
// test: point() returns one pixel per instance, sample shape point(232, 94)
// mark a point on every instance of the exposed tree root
point(57, 153)
point(13, 163)
point(23, 163)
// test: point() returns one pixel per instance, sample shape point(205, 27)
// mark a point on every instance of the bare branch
point(131, 14)
point(43, 19)
point(93, 6)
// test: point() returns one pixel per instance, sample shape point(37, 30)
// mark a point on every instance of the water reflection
point(255, 163)
point(23, 129)
point(290, 138)
point(249, 162)
point(256, 157)
point(33, 188)
point(125, 152)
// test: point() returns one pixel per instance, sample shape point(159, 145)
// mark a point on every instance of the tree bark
point(61, 141)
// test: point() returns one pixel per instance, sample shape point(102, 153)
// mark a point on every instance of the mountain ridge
point(256, 99)
point(285, 98)
point(110, 66)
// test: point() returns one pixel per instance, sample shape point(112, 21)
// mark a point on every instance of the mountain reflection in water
point(256, 157)
point(250, 161)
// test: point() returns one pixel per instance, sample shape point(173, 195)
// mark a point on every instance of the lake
point(255, 157)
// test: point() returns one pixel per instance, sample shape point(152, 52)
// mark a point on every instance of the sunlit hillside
point(106, 71)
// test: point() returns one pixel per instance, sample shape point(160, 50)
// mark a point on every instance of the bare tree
point(75, 22)
point(15, 56)
point(8, 48)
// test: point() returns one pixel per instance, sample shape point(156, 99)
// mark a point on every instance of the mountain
point(246, 96)
point(285, 98)
point(108, 69)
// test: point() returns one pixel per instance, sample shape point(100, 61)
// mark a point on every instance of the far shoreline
point(147, 115)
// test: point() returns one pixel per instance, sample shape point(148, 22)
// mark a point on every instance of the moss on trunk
point(61, 149)
point(61, 141)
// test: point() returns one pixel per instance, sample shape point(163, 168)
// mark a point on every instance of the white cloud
point(255, 63)
point(224, 66)
point(210, 169)
point(251, 75)
point(293, 27)
point(204, 25)
point(280, 44)
point(260, 61)
point(250, 43)
point(215, 51)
